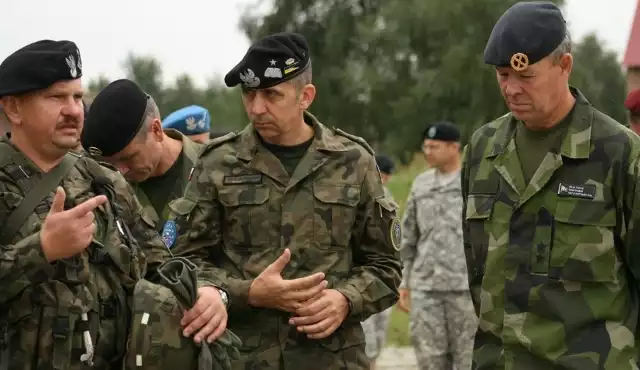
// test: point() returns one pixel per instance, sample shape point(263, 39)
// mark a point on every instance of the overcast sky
point(201, 37)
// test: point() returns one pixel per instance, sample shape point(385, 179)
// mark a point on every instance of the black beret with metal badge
point(270, 61)
point(38, 66)
point(442, 131)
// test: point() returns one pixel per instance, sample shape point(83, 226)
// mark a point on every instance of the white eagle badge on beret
point(249, 78)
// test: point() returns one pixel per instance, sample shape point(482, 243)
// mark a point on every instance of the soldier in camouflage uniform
point(551, 212)
point(290, 217)
point(434, 278)
point(74, 242)
point(375, 327)
point(123, 128)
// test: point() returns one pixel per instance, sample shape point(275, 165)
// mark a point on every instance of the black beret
point(385, 164)
point(442, 131)
point(270, 61)
point(525, 34)
point(115, 117)
point(38, 66)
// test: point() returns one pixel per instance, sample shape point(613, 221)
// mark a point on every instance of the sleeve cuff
point(238, 291)
point(354, 297)
point(32, 258)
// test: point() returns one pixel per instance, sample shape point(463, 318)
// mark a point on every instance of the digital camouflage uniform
point(554, 263)
point(42, 303)
point(442, 319)
point(241, 210)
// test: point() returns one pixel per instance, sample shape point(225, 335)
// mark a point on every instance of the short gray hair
point(564, 48)
point(303, 78)
point(151, 112)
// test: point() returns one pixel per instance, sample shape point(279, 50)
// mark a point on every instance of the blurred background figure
point(633, 106)
point(375, 327)
point(193, 121)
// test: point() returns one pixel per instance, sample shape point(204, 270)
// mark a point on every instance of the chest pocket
point(583, 242)
point(248, 220)
point(335, 209)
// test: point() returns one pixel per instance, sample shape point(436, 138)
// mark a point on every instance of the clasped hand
point(318, 311)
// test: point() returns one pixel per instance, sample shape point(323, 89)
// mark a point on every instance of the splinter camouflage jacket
point(554, 264)
point(41, 303)
point(241, 210)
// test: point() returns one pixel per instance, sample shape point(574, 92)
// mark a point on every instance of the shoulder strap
point(355, 138)
point(214, 143)
point(44, 187)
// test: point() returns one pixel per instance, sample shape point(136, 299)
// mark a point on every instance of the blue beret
point(442, 131)
point(270, 61)
point(525, 34)
point(115, 117)
point(38, 66)
point(191, 120)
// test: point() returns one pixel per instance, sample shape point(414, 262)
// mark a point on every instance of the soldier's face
point(277, 111)
point(50, 119)
point(533, 95)
point(438, 153)
point(139, 160)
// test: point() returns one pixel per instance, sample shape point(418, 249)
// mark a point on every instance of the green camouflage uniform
point(42, 303)
point(158, 213)
point(241, 210)
point(554, 263)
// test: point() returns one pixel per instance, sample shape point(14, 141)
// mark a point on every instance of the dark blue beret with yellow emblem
point(525, 34)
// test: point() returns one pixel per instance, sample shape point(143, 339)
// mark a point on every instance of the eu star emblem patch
point(169, 233)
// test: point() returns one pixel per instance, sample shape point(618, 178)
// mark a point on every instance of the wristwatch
point(225, 297)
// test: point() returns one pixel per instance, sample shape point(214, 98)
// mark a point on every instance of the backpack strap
point(41, 190)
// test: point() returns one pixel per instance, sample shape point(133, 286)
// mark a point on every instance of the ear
point(156, 130)
point(307, 94)
point(11, 107)
point(566, 63)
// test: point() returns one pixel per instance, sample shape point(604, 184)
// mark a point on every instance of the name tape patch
point(577, 191)
point(242, 179)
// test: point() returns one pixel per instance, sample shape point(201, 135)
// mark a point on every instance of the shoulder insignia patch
point(169, 233)
point(355, 138)
point(395, 233)
point(214, 143)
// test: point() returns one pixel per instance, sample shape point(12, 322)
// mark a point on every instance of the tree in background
point(386, 69)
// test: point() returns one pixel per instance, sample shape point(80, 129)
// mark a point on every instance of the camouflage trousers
point(442, 325)
point(375, 332)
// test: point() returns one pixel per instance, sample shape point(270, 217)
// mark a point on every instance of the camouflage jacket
point(554, 264)
point(241, 210)
point(41, 303)
point(432, 251)
point(190, 150)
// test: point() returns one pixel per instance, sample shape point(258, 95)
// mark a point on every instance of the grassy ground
point(400, 185)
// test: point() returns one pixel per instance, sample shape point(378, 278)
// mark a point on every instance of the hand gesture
point(67, 233)
point(321, 316)
point(270, 290)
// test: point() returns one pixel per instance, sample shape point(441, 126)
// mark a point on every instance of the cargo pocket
point(249, 221)
point(335, 211)
point(583, 247)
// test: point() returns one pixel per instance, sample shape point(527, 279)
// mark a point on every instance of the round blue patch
point(169, 233)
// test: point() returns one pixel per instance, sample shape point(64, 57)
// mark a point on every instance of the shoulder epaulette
point(355, 138)
point(214, 143)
